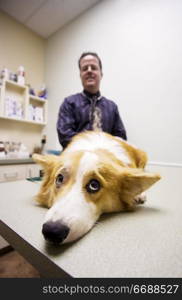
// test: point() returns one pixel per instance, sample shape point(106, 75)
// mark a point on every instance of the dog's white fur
point(117, 165)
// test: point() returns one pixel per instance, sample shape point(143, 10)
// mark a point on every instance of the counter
point(16, 161)
point(144, 243)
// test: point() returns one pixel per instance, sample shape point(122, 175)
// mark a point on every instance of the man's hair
point(90, 53)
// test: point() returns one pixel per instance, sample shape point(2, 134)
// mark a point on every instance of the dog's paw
point(140, 199)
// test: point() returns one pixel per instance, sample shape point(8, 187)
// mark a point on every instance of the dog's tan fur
point(121, 182)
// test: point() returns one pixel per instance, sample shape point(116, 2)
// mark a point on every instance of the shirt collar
point(91, 96)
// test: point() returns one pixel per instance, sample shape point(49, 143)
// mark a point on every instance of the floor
point(13, 265)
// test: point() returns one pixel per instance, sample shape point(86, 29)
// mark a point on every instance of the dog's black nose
point(55, 232)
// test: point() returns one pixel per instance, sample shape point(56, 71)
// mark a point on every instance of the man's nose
point(89, 69)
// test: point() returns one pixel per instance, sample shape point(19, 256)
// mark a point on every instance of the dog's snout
point(55, 232)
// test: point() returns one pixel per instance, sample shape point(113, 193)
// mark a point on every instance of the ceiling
point(45, 16)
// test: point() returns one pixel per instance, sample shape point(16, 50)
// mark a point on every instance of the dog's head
point(79, 186)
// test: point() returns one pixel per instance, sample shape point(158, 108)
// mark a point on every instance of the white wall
point(140, 44)
point(21, 46)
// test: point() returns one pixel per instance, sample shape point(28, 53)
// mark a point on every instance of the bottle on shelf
point(2, 150)
point(43, 144)
point(21, 75)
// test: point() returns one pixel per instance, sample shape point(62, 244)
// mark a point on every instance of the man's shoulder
point(108, 102)
point(73, 97)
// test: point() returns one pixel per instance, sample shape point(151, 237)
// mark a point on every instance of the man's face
point(90, 73)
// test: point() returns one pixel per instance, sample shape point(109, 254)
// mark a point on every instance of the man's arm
point(118, 128)
point(66, 123)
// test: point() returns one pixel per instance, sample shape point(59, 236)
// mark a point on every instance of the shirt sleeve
point(118, 128)
point(66, 128)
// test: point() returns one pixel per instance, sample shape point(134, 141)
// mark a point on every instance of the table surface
point(144, 243)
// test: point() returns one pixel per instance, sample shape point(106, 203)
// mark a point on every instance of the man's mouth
point(90, 78)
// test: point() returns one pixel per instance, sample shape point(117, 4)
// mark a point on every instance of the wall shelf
point(24, 121)
point(16, 104)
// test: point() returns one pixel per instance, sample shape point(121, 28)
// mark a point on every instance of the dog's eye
point(93, 186)
point(59, 180)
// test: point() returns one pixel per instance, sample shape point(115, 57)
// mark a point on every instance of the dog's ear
point(46, 194)
point(135, 181)
point(45, 160)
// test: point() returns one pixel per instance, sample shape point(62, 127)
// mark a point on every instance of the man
point(88, 110)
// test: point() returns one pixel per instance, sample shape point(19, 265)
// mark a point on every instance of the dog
point(97, 173)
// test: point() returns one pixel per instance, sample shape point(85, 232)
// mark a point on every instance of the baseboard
point(164, 164)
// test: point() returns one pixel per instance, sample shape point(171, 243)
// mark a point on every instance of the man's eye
point(93, 186)
point(94, 68)
point(84, 69)
point(59, 180)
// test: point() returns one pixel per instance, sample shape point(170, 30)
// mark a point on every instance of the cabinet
point(32, 170)
point(17, 104)
point(18, 172)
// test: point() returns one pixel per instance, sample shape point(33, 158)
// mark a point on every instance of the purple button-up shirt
point(74, 117)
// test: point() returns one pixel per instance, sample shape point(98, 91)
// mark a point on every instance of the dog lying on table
point(97, 173)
